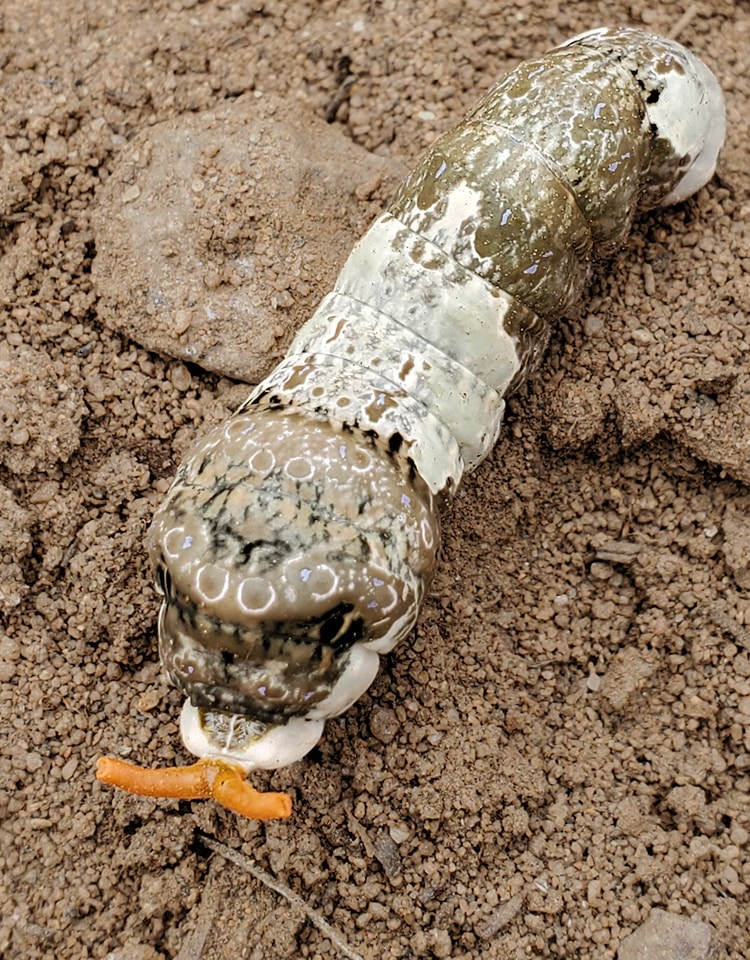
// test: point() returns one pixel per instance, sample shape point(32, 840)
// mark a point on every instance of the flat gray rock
point(665, 936)
point(215, 228)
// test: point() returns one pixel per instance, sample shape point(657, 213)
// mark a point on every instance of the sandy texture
point(566, 742)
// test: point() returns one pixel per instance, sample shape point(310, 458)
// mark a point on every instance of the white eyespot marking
point(323, 583)
point(320, 582)
point(262, 462)
point(360, 461)
point(212, 582)
point(256, 595)
point(384, 595)
point(428, 534)
point(300, 468)
point(176, 543)
point(238, 430)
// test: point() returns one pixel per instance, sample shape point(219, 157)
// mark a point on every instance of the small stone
point(69, 768)
point(688, 801)
point(10, 649)
point(132, 193)
point(670, 937)
point(387, 855)
point(439, 942)
point(601, 571)
point(46, 491)
point(181, 321)
point(642, 336)
point(211, 279)
point(149, 701)
point(592, 325)
point(500, 917)
point(384, 724)
point(180, 377)
point(34, 761)
point(399, 834)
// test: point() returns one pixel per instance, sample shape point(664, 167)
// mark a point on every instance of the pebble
point(667, 936)
point(384, 724)
point(387, 855)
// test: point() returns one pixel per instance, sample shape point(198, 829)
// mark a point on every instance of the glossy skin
point(300, 537)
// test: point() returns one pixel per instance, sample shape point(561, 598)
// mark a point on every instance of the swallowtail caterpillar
point(298, 539)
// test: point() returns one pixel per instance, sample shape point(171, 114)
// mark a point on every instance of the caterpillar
point(299, 538)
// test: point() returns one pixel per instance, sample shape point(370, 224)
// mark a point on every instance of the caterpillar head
point(291, 552)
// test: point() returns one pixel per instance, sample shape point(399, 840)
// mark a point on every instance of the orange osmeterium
point(223, 781)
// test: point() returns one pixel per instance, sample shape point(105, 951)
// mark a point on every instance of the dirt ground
point(565, 742)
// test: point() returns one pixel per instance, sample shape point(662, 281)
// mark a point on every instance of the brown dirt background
point(565, 743)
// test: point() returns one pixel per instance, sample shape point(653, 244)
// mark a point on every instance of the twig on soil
point(193, 944)
point(500, 917)
point(246, 864)
point(683, 21)
point(192, 947)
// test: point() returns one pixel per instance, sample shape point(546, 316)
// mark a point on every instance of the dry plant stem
point(278, 887)
point(192, 947)
point(683, 22)
point(225, 782)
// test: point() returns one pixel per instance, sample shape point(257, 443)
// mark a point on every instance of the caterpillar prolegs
point(298, 538)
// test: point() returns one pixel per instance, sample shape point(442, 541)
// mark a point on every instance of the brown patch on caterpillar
point(297, 377)
point(336, 330)
point(380, 403)
point(406, 368)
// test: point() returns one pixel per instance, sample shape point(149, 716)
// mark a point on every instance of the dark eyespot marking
point(395, 442)
point(333, 622)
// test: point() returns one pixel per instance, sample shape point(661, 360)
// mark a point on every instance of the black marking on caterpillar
point(299, 538)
